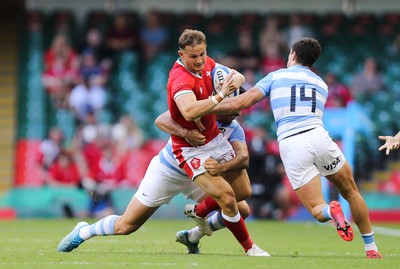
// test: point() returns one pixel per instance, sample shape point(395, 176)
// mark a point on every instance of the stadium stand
point(138, 89)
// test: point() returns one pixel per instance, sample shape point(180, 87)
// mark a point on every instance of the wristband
point(214, 100)
point(221, 94)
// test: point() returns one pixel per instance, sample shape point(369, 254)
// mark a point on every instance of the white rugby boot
point(204, 226)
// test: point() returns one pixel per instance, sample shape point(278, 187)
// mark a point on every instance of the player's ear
point(293, 56)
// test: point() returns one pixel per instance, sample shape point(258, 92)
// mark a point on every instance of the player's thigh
point(240, 182)
point(160, 184)
point(329, 159)
point(193, 192)
point(215, 186)
point(343, 180)
point(298, 159)
point(310, 194)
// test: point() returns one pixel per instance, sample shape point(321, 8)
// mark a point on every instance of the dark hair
point(191, 37)
point(241, 90)
point(307, 51)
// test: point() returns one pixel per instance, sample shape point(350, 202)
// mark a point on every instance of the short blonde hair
point(191, 37)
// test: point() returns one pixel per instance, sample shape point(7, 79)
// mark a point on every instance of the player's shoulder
point(236, 127)
point(235, 124)
point(281, 71)
point(179, 72)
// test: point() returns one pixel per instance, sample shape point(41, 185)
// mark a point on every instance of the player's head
point(226, 118)
point(192, 50)
point(305, 52)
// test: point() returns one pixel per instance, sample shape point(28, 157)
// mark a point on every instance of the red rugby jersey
point(181, 79)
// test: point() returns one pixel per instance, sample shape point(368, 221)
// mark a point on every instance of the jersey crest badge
point(195, 163)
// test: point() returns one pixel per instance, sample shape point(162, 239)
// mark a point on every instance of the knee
point(227, 198)
point(244, 194)
point(244, 210)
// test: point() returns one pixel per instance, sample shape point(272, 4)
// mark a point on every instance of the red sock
point(239, 230)
point(206, 207)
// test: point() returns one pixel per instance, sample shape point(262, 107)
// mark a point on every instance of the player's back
point(298, 97)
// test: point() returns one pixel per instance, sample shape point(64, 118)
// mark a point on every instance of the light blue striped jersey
point(297, 96)
point(233, 132)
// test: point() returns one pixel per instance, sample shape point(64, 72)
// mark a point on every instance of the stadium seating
point(140, 90)
point(31, 96)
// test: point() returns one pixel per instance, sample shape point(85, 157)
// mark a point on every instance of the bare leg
point(344, 181)
point(135, 215)
point(220, 190)
point(311, 197)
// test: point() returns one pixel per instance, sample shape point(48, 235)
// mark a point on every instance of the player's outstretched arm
point(166, 124)
point(391, 142)
point(238, 103)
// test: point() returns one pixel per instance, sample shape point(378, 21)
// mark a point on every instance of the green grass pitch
point(32, 244)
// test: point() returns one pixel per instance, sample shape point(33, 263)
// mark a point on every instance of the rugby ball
point(218, 75)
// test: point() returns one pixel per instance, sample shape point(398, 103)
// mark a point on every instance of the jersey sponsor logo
point(332, 165)
point(195, 163)
point(201, 89)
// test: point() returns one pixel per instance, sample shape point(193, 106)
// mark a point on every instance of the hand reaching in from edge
point(390, 143)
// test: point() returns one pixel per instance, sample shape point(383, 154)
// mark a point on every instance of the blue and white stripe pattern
point(233, 132)
point(297, 96)
point(103, 227)
point(168, 159)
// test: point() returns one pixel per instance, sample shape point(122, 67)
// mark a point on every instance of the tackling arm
point(165, 123)
point(240, 102)
point(240, 162)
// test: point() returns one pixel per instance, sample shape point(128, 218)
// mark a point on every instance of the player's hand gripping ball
point(218, 75)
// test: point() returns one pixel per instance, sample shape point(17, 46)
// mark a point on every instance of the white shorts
point(219, 149)
point(310, 154)
point(160, 184)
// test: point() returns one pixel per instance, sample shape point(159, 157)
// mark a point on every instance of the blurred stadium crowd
point(89, 92)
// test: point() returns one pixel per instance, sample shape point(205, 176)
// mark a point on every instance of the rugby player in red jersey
point(190, 99)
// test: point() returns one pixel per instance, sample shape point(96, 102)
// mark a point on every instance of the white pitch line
point(386, 231)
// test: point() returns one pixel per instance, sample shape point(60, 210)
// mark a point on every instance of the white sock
point(195, 235)
point(103, 227)
point(370, 246)
point(369, 241)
